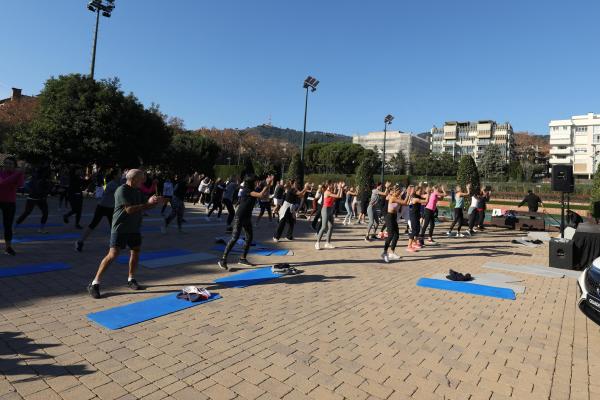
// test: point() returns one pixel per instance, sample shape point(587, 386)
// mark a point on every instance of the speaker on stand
point(561, 250)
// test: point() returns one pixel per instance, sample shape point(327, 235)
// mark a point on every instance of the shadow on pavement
point(20, 355)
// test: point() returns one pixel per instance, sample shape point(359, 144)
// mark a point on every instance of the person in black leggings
point(414, 199)
point(395, 202)
point(243, 219)
point(38, 196)
point(10, 180)
point(292, 200)
point(75, 196)
point(217, 198)
point(459, 203)
point(105, 207)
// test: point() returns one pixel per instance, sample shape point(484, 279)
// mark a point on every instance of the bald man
point(125, 231)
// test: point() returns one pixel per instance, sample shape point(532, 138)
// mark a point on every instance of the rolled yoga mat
point(32, 269)
point(470, 288)
point(134, 313)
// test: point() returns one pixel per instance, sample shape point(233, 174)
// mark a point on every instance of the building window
point(580, 150)
point(566, 128)
point(581, 129)
point(554, 128)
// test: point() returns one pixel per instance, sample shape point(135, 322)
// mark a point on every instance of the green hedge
point(226, 171)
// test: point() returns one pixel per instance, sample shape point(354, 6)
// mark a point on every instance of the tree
point(368, 167)
point(468, 173)
point(16, 115)
point(83, 121)
point(398, 163)
point(595, 195)
point(191, 152)
point(295, 169)
point(492, 162)
point(515, 171)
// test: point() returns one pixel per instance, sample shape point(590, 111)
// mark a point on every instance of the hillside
point(294, 136)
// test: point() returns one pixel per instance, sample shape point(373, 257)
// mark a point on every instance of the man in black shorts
point(243, 218)
point(125, 232)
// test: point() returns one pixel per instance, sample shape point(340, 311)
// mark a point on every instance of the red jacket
point(9, 183)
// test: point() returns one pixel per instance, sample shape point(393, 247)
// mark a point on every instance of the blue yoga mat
point(258, 250)
point(46, 238)
point(465, 287)
point(134, 313)
point(245, 279)
point(32, 269)
point(153, 255)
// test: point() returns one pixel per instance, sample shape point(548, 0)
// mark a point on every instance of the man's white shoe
point(393, 256)
point(317, 246)
point(329, 246)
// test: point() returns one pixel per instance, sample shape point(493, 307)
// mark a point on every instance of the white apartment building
point(395, 141)
point(576, 142)
point(472, 138)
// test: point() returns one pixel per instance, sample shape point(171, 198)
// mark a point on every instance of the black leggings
point(415, 225)
point(167, 201)
point(316, 222)
point(42, 205)
point(99, 213)
point(240, 224)
point(76, 201)
point(481, 218)
point(8, 217)
point(230, 211)
point(216, 204)
point(458, 218)
point(391, 222)
point(288, 219)
point(428, 221)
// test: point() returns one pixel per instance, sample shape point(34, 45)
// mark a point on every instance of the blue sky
point(233, 63)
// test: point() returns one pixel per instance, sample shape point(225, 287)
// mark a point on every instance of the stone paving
point(349, 327)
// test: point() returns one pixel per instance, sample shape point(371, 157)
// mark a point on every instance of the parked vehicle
point(589, 291)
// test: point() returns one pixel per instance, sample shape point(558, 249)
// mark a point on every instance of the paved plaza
point(349, 327)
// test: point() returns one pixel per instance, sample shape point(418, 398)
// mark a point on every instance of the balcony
point(560, 141)
point(567, 161)
point(563, 152)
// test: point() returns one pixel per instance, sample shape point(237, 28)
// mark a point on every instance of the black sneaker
point(245, 262)
point(94, 290)
point(79, 246)
point(10, 251)
point(133, 285)
point(223, 264)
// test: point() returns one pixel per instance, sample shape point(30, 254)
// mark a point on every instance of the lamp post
point(386, 121)
point(99, 6)
point(309, 83)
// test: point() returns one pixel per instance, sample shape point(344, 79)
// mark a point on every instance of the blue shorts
point(123, 240)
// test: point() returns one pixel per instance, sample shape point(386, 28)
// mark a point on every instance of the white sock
point(95, 282)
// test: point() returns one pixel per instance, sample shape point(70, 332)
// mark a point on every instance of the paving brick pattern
point(350, 327)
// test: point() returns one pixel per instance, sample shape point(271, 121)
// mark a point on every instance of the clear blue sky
point(232, 63)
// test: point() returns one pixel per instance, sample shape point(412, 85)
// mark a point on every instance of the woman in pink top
point(433, 196)
point(10, 180)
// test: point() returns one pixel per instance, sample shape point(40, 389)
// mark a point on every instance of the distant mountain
point(295, 137)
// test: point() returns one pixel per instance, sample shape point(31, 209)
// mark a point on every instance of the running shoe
point(417, 246)
point(448, 233)
point(79, 246)
point(244, 262)
point(133, 285)
point(367, 239)
point(275, 240)
point(223, 264)
point(329, 246)
point(94, 290)
point(317, 246)
point(385, 257)
point(411, 249)
point(430, 240)
point(393, 256)
point(10, 251)
point(461, 235)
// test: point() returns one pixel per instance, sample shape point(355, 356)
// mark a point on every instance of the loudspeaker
point(562, 178)
point(561, 253)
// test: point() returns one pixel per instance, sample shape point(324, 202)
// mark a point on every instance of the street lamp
point(386, 121)
point(105, 7)
point(309, 83)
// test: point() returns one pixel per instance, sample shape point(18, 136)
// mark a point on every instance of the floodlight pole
point(383, 157)
point(95, 42)
point(303, 138)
